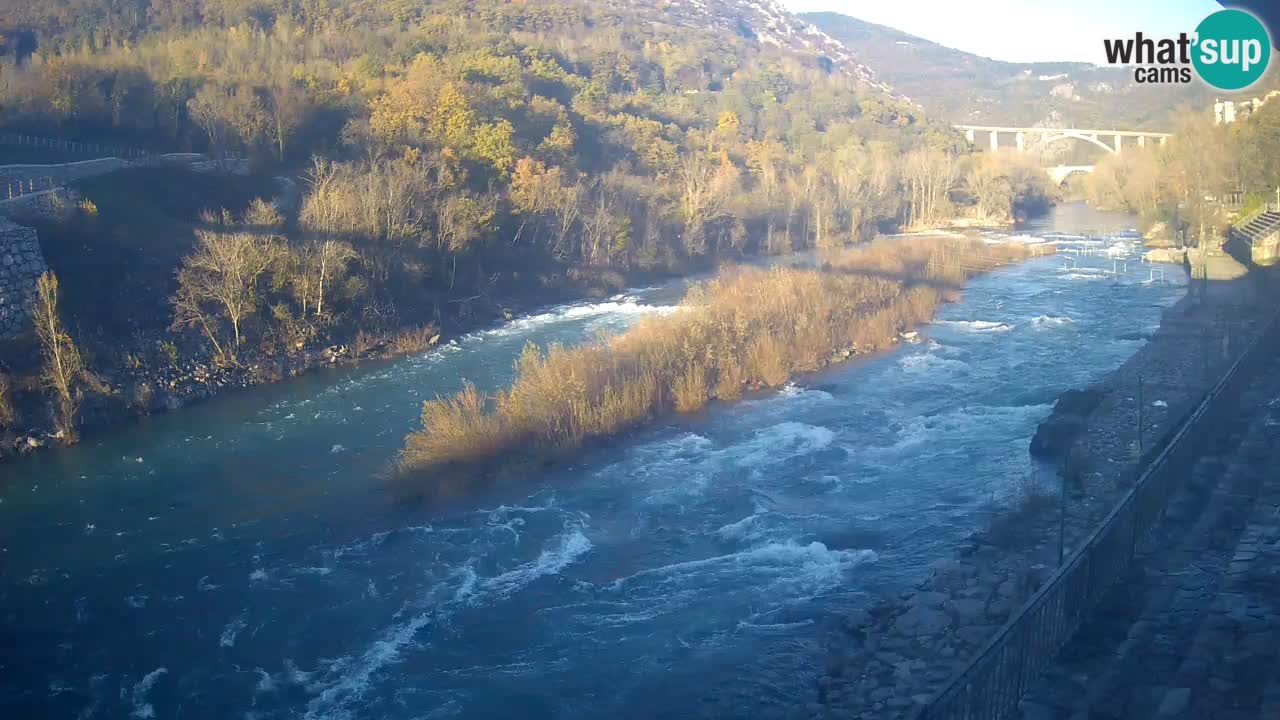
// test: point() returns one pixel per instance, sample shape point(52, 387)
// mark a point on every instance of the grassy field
point(117, 254)
point(746, 330)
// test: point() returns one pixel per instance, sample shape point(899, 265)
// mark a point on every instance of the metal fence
point(74, 146)
point(993, 683)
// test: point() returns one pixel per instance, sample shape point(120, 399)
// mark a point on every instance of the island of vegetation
point(745, 330)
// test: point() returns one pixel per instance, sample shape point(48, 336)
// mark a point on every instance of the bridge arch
point(1061, 173)
point(1054, 137)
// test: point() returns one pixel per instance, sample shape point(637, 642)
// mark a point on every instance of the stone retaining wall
point(21, 263)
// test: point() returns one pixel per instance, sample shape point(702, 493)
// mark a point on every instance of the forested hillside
point(455, 153)
point(963, 87)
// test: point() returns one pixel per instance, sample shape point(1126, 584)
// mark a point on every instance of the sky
point(1024, 30)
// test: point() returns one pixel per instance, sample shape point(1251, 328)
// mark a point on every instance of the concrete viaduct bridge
point(1110, 140)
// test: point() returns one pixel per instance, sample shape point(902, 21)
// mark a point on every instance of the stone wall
point(21, 263)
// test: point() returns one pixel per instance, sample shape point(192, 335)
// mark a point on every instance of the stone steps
point(1184, 635)
point(1260, 225)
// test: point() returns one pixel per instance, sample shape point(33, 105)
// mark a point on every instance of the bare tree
point(460, 221)
point(331, 258)
point(8, 414)
point(221, 279)
point(206, 109)
point(63, 367)
point(705, 188)
point(287, 105)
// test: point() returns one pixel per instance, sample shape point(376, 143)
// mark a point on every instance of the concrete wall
point(21, 263)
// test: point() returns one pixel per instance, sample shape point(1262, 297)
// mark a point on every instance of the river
point(247, 558)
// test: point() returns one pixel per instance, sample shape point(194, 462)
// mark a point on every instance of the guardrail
point(993, 683)
point(74, 146)
point(26, 186)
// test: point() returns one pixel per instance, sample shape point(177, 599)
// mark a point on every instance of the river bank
point(891, 659)
point(252, 547)
point(162, 374)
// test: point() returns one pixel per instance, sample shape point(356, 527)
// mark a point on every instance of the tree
point(221, 278)
point(460, 221)
point(990, 188)
point(206, 109)
point(705, 189)
point(930, 175)
point(332, 258)
point(288, 106)
point(63, 368)
point(8, 414)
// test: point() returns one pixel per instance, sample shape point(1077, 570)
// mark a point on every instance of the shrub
point(410, 341)
point(730, 380)
point(690, 389)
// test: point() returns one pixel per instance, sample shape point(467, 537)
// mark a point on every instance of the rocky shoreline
point(160, 381)
point(887, 662)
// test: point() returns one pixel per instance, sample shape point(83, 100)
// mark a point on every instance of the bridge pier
point(968, 135)
point(995, 141)
point(1142, 141)
point(1118, 144)
point(1020, 137)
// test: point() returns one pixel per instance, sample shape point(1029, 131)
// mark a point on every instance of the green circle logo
point(1231, 50)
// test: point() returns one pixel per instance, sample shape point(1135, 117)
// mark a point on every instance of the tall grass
point(747, 329)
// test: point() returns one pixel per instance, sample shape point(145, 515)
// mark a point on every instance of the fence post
point(1140, 408)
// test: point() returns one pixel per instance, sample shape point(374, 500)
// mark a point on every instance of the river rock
point(1055, 434)
point(921, 621)
point(967, 610)
point(1166, 255)
point(857, 620)
point(927, 598)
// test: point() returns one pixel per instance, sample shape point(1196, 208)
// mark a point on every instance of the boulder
point(921, 621)
point(967, 610)
point(1055, 434)
point(857, 620)
point(1166, 255)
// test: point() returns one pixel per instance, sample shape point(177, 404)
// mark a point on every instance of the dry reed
point(749, 328)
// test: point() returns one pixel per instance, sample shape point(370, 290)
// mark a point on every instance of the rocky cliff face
point(763, 22)
point(21, 263)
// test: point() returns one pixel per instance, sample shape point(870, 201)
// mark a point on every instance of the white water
point(238, 566)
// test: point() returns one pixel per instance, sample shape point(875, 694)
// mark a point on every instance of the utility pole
point(1141, 405)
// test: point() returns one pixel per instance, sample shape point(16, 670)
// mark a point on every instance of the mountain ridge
point(965, 87)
